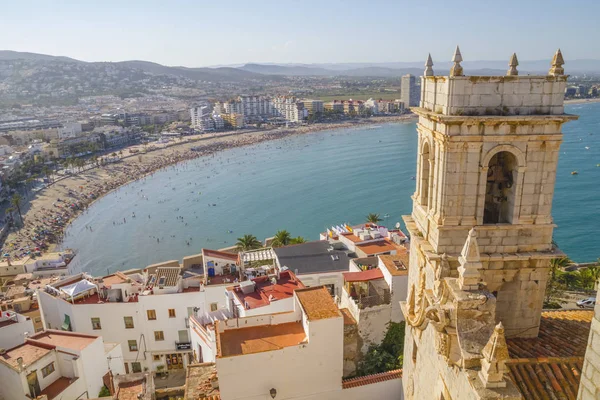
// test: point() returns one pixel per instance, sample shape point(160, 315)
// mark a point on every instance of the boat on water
point(574, 173)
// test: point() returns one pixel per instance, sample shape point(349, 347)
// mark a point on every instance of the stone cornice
point(493, 119)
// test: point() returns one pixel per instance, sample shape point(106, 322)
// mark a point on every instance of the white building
point(69, 130)
point(14, 329)
point(293, 355)
point(147, 312)
point(60, 365)
point(289, 108)
point(198, 114)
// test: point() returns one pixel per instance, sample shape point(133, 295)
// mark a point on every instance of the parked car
point(587, 303)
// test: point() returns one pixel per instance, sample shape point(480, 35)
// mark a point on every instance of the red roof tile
point(563, 333)
point(546, 378)
point(369, 379)
point(363, 276)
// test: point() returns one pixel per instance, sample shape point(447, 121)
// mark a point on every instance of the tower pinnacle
point(456, 69)
point(557, 62)
point(512, 63)
point(428, 65)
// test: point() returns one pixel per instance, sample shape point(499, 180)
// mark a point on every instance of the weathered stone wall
point(352, 344)
point(479, 95)
point(589, 386)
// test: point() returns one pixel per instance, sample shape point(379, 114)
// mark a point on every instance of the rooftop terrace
point(258, 339)
point(265, 291)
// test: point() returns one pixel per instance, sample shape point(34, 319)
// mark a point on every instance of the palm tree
point(585, 278)
point(248, 242)
point(558, 265)
point(16, 202)
point(297, 240)
point(373, 218)
point(282, 238)
point(47, 172)
point(594, 271)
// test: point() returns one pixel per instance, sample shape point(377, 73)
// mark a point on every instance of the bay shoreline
point(49, 213)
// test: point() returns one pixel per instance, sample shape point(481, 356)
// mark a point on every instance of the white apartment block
point(146, 312)
point(198, 114)
point(69, 130)
point(289, 108)
point(58, 365)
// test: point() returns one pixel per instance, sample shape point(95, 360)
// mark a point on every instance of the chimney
point(20, 363)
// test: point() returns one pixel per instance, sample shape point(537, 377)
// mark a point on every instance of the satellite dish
point(397, 225)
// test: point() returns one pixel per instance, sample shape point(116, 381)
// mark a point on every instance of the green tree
point(297, 240)
point(386, 356)
point(282, 238)
point(569, 279)
point(373, 218)
point(104, 392)
point(595, 271)
point(248, 242)
point(586, 278)
point(558, 265)
point(16, 202)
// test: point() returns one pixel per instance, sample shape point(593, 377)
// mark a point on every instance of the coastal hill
point(31, 78)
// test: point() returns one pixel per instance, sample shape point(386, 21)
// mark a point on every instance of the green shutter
point(66, 326)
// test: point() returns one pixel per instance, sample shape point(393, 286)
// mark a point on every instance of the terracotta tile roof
point(363, 276)
point(546, 378)
point(220, 254)
point(396, 264)
point(317, 303)
point(375, 378)
point(562, 333)
point(258, 339)
point(380, 246)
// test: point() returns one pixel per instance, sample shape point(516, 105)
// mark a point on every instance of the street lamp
point(273, 393)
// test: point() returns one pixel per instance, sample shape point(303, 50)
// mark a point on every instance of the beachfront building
point(409, 91)
point(198, 114)
point(334, 106)
point(313, 106)
point(146, 311)
point(49, 264)
point(256, 108)
point(234, 120)
point(367, 240)
point(289, 108)
point(481, 241)
point(59, 365)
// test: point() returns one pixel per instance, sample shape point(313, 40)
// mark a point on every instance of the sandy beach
point(49, 211)
point(582, 101)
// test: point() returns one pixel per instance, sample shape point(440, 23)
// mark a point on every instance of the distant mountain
point(271, 69)
point(202, 74)
point(222, 74)
point(21, 55)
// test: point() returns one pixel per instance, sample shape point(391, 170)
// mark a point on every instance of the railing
point(373, 300)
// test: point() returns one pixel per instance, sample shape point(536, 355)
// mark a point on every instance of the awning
point(78, 288)
point(363, 276)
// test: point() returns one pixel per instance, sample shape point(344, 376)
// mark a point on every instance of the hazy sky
point(202, 33)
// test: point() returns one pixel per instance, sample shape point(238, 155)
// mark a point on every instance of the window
point(96, 324)
point(500, 189)
point(136, 367)
point(132, 345)
point(159, 335)
point(47, 370)
point(156, 357)
point(128, 322)
point(214, 306)
point(171, 313)
point(151, 314)
point(37, 320)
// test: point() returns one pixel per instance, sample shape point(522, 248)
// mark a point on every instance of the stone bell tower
point(481, 225)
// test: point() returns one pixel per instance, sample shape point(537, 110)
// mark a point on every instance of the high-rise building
point(409, 92)
point(481, 229)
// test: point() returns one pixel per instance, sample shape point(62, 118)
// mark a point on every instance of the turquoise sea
point(305, 184)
